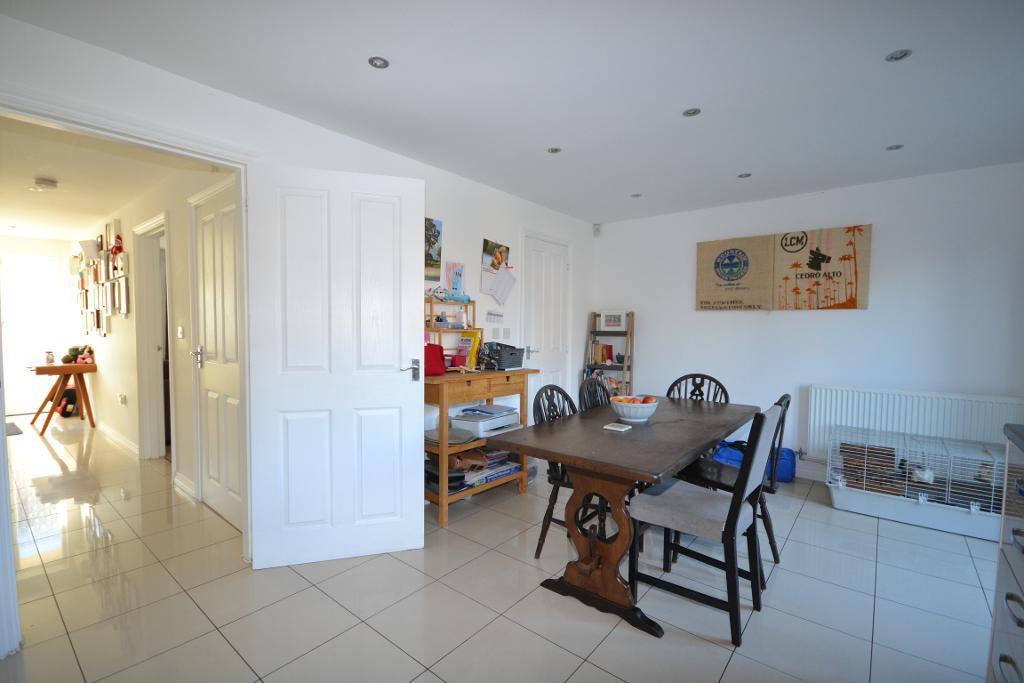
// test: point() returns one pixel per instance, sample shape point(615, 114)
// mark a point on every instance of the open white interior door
point(336, 312)
point(218, 302)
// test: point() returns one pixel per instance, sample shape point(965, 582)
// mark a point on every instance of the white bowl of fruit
point(634, 409)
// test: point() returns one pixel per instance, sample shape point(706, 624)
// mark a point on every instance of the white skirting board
point(118, 438)
point(931, 515)
point(185, 485)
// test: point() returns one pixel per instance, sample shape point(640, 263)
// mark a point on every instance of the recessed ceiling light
point(898, 55)
point(893, 148)
point(636, 195)
point(378, 62)
point(744, 175)
point(554, 150)
point(42, 184)
point(690, 113)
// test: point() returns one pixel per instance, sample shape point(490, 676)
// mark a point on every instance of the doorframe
point(57, 111)
point(545, 237)
point(10, 614)
point(193, 201)
point(147, 358)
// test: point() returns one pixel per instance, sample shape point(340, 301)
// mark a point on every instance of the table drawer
point(469, 390)
point(508, 384)
point(1007, 657)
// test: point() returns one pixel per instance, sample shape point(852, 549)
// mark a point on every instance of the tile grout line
point(359, 622)
point(53, 595)
point(201, 611)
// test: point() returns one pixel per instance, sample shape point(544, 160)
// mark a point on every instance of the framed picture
point(433, 227)
point(612, 321)
point(121, 264)
point(122, 296)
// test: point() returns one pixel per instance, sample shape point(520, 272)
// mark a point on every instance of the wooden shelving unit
point(432, 308)
point(626, 368)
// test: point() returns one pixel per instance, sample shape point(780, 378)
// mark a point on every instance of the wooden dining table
point(609, 465)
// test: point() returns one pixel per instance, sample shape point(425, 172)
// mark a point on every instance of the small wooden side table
point(64, 373)
point(453, 388)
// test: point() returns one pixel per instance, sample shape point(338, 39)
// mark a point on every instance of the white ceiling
point(796, 93)
point(95, 176)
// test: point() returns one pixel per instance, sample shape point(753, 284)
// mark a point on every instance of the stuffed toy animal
point(85, 356)
point(78, 354)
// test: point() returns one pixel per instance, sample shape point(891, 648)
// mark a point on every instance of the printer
point(487, 420)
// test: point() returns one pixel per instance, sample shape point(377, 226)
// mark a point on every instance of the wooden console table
point(64, 373)
point(451, 388)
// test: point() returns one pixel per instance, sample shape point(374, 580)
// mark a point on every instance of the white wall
point(39, 312)
point(947, 279)
point(99, 82)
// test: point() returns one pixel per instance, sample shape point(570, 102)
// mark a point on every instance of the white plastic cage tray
point(945, 484)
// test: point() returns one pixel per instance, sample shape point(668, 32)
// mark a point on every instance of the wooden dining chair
point(593, 394)
point(712, 474)
point(553, 403)
point(714, 515)
point(698, 387)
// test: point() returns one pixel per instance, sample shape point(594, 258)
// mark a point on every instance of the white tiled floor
point(123, 578)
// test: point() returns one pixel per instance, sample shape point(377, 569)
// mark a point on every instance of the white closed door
point(335, 276)
point(546, 314)
point(218, 303)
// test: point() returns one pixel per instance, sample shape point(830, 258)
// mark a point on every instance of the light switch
point(506, 333)
point(180, 332)
point(496, 333)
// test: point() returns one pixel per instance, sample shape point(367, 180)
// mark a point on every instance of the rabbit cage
point(945, 484)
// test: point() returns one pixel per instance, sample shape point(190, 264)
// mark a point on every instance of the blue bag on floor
point(730, 455)
point(786, 470)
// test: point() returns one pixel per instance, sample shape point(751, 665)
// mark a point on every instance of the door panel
point(305, 279)
point(218, 299)
point(378, 281)
point(546, 322)
point(337, 426)
point(307, 466)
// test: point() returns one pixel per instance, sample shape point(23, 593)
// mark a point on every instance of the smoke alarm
point(41, 184)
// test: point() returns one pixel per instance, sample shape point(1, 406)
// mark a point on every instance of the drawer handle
point(1018, 538)
point(1009, 600)
point(1007, 660)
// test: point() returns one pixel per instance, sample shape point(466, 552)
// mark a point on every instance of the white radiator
point(951, 416)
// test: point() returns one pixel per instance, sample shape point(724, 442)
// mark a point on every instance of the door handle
point(197, 356)
point(415, 367)
point(530, 351)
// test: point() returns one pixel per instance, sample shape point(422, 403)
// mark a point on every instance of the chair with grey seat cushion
point(708, 472)
point(713, 515)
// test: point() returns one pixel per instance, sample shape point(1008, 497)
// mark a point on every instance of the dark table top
point(675, 436)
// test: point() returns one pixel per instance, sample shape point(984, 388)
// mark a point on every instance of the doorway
point(156, 391)
point(545, 312)
point(145, 202)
